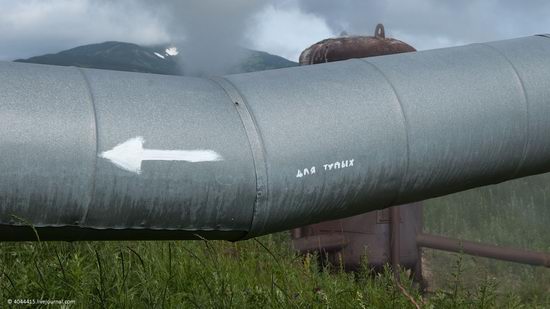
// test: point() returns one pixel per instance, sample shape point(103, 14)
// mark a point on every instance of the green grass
point(262, 273)
point(203, 274)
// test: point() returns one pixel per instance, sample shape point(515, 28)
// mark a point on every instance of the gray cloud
point(32, 27)
point(436, 23)
point(283, 29)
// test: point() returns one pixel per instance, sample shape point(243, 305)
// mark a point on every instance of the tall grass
point(203, 274)
point(262, 273)
point(514, 213)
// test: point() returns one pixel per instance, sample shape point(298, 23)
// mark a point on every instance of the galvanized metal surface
point(54, 130)
point(451, 119)
point(256, 146)
point(484, 250)
point(366, 234)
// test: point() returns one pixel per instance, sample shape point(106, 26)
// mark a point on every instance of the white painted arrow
point(130, 154)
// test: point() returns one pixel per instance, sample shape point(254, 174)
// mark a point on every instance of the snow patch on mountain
point(172, 51)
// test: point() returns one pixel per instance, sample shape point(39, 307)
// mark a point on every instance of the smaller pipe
point(394, 239)
point(484, 250)
point(321, 243)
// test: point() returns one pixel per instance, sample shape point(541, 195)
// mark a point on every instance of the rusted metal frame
point(483, 250)
point(395, 253)
point(326, 243)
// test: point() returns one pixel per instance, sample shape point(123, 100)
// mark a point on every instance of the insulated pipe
point(93, 154)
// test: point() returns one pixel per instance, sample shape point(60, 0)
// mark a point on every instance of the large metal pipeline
point(93, 154)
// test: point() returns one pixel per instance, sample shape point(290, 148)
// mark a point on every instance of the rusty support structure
point(394, 240)
point(484, 250)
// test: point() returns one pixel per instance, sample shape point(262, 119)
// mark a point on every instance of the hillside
point(165, 59)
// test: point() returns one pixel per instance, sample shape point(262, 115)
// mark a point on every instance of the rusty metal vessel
point(348, 47)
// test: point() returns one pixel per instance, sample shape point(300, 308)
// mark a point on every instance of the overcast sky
point(35, 27)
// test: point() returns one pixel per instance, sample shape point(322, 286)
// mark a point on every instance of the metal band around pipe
point(406, 125)
point(525, 103)
point(96, 133)
point(257, 149)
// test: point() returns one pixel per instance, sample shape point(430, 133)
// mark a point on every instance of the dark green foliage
point(260, 61)
point(112, 56)
point(262, 273)
point(257, 273)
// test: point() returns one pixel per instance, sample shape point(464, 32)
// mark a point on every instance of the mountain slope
point(122, 56)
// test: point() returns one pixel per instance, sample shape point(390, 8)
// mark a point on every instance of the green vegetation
point(262, 273)
point(514, 214)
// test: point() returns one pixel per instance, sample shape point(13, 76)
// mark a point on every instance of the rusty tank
point(348, 47)
point(372, 236)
